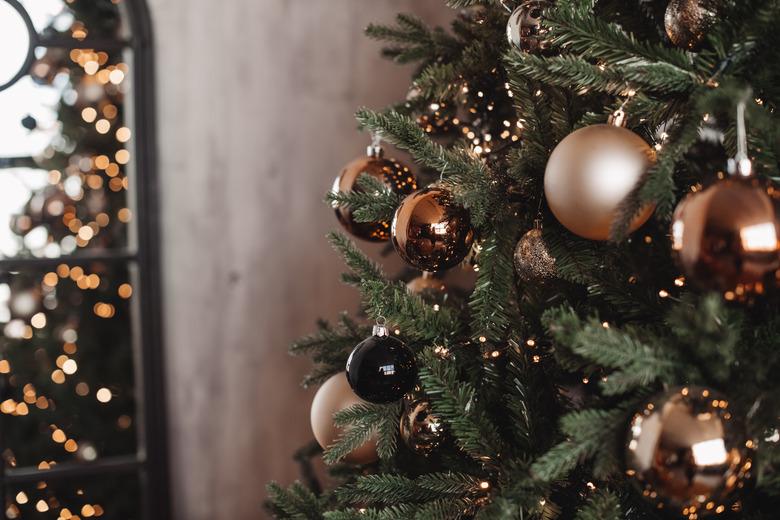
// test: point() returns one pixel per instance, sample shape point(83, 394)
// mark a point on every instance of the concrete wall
point(255, 115)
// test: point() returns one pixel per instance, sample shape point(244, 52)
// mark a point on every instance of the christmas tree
point(606, 167)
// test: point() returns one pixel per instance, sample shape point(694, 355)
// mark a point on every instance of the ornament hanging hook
point(508, 9)
point(375, 148)
point(741, 163)
point(618, 117)
point(380, 327)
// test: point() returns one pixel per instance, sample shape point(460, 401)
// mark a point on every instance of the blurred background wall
point(255, 120)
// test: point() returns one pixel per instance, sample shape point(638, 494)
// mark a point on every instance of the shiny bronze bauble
point(590, 173)
point(334, 396)
point(421, 430)
point(394, 175)
point(524, 30)
point(688, 452)
point(431, 231)
point(727, 238)
point(533, 261)
point(686, 21)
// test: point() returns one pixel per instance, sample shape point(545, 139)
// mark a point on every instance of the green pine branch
point(371, 202)
point(294, 503)
point(494, 299)
point(416, 318)
point(457, 405)
point(603, 505)
point(467, 175)
point(360, 423)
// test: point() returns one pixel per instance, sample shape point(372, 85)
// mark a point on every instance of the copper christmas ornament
point(333, 396)
point(524, 30)
point(688, 453)
point(430, 231)
point(426, 283)
point(590, 173)
point(395, 176)
point(727, 237)
point(421, 430)
point(686, 21)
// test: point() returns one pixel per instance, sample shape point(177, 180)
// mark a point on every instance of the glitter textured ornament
point(727, 237)
point(524, 29)
point(532, 258)
point(688, 452)
point(430, 231)
point(590, 173)
point(381, 369)
point(397, 177)
point(421, 430)
point(686, 21)
point(334, 396)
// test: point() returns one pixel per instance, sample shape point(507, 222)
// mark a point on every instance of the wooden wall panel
point(255, 116)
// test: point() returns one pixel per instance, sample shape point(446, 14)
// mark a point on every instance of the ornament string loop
point(508, 9)
point(741, 163)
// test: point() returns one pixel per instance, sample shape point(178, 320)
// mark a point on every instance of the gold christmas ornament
point(524, 29)
point(688, 453)
point(430, 231)
point(397, 177)
point(333, 396)
point(686, 21)
point(421, 430)
point(590, 173)
point(532, 258)
point(727, 237)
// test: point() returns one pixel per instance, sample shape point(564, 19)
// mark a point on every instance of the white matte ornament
point(590, 173)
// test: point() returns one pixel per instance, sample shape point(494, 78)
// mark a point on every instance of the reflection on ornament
point(524, 30)
point(421, 430)
point(394, 175)
point(334, 396)
point(430, 231)
point(590, 173)
point(688, 453)
point(727, 238)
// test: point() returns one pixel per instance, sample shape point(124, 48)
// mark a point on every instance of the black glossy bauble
point(381, 369)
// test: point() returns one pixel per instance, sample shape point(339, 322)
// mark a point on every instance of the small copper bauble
point(334, 396)
point(421, 430)
point(394, 175)
point(686, 21)
point(590, 173)
point(430, 231)
point(381, 369)
point(688, 452)
point(727, 237)
point(524, 30)
point(426, 284)
point(533, 260)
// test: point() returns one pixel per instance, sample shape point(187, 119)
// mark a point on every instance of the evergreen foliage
point(615, 325)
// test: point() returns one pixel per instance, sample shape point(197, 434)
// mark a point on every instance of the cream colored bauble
point(333, 396)
point(590, 173)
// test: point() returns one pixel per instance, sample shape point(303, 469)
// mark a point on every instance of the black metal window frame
point(150, 462)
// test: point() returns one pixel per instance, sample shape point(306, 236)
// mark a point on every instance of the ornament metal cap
point(380, 327)
point(375, 148)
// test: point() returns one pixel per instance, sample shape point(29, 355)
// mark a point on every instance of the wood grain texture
point(255, 117)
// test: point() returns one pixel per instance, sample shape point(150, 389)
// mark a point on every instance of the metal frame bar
point(151, 460)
